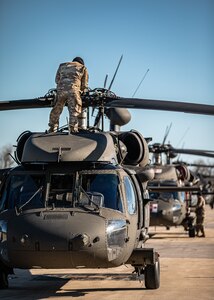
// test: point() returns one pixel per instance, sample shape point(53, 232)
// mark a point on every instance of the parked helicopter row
point(172, 188)
point(81, 200)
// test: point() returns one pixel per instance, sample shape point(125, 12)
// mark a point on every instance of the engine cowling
point(137, 148)
point(184, 172)
point(21, 143)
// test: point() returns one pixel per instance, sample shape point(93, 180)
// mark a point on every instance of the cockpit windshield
point(25, 190)
point(164, 195)
point(78, 189)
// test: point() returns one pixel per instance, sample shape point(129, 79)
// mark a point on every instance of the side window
point(182, 196)
point(130, 196)
point(3, 195)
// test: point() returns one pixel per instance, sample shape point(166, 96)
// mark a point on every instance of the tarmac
point(187, 272)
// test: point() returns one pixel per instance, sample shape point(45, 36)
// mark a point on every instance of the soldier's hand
point(85, 92)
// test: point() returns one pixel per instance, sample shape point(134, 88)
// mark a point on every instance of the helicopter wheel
point(3, 280)
point(152, 275)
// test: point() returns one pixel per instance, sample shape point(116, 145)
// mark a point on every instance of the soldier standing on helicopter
point(72, 81)
point(200, 214)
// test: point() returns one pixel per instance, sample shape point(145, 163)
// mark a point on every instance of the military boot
point(203, 233)
point(73, 128)
point(53, 128)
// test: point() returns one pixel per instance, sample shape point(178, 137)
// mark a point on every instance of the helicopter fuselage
point(66, 217)
point(168, 212)
point(168, 208)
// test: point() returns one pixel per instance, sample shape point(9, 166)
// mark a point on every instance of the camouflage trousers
point(74, 102)
point(199, 225)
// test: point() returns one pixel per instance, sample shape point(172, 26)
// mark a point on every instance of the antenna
point(115, 73)
point(140, 83)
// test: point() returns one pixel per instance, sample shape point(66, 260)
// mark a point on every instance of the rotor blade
point(200, 165)
point(173, 188)
point(178, 163)
point(115, 73)
point(105, 81)
point(167, 133)
point(140, 83)
point(26, 103)
point(47, 100)
point(207, 153)
point(182, 150)
point(186, 107)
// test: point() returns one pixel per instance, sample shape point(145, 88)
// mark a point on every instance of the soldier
point(72, 81)
point(200, 214)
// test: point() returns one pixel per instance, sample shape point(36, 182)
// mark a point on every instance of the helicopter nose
point(79, 241)
point(116, 237)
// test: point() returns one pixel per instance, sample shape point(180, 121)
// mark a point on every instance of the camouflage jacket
point(72, 75)
point(200, 207)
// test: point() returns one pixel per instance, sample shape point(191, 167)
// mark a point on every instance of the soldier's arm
point(57, 78)
point(84, 81)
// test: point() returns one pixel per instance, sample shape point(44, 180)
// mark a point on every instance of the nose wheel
point(152, 275)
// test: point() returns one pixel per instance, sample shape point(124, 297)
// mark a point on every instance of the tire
point(152, 276)
point(192, 231)
point(3, 280)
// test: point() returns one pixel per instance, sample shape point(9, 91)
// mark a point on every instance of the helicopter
point(205, 173)
point(80, 200)
point(171, 188)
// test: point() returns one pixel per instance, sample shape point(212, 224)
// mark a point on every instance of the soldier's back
point(70, 73)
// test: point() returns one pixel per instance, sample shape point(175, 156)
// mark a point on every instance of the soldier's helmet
point(79, 60)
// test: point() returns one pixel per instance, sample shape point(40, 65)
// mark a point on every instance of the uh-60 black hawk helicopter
point(81, 200)
point(172, 186)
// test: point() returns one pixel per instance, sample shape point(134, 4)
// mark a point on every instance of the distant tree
point(204, 167)
point(6, 160)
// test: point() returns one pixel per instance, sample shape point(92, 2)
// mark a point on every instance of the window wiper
point(89, 198)
point(19, 209)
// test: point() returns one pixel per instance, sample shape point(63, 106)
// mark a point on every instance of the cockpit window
point(130, 196)
point(105, 184)
point(25, 190)
point(61, 189)
point(164, 195)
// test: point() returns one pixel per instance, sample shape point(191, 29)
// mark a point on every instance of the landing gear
point(152, 275)
point(3, 279)
point(146, 262)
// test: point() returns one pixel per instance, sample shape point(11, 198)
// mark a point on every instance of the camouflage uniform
point(71, 80)
point(200, 215)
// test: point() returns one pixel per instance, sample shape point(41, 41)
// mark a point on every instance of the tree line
point(6, 160)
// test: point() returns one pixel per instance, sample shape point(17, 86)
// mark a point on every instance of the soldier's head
point(79, 60)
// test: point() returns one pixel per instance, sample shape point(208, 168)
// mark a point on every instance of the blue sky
point(173, 38)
